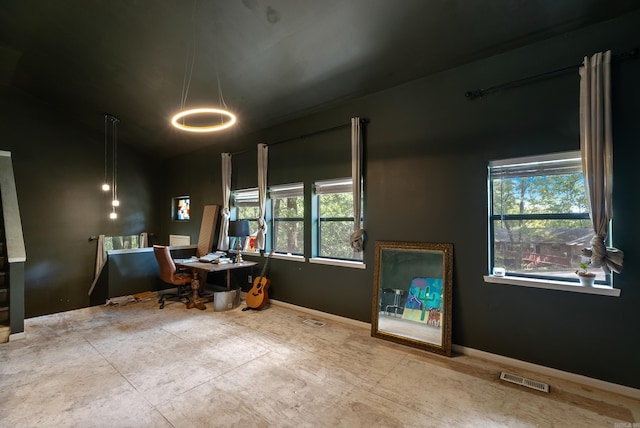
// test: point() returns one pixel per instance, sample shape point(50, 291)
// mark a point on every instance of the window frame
point(333, 186)
point(554, 160)
point(247, 197)
point(283, 191)
point(133, 240)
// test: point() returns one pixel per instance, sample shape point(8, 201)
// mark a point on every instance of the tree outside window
point(287, 222)
point(245, 204)
point(335, 219)
point(539, 217)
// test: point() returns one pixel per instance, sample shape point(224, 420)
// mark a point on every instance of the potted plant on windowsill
point(586, 278)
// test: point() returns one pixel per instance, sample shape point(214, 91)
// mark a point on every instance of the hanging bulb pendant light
point(105, 184)
point(114, 163)
point(115, 202)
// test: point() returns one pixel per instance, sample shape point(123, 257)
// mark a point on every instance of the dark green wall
point(426, 153)
point(427, 149)
point(58, 171)
point(130, 272)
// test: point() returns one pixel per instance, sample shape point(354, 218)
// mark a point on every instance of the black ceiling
point(276, 59)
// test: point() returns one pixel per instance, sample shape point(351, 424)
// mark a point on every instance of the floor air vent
point(519, 380)
point(313, 323)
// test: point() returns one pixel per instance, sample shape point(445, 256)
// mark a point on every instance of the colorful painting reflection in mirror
point(424, 303)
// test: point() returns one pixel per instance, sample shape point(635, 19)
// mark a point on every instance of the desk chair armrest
point(183, 274)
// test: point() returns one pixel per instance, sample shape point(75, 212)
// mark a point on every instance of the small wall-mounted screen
point(181, 208)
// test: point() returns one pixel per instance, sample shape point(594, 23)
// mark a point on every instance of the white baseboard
point(560, 374)
point(333, 317)
point(17, 336)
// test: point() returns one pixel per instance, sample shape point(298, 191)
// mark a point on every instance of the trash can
point(224, 299)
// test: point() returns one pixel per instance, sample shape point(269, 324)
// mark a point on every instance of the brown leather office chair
point(170, 275)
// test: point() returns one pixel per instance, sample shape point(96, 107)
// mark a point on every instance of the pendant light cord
point(114, 123)
point(179, 119)
point(215, 64)
point(188, 68)
point(105, 149)
point(221, 98)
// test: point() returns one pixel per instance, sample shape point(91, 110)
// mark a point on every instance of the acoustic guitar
point(258, 296)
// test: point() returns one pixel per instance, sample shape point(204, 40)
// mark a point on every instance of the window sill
point(246, 253)
point(130, 250)
point(281, 256)
point(336, 262)
point(149, 249)
point(553, 285)
point(284, 256)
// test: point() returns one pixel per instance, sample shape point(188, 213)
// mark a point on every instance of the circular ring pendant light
point(227, 119)
point(175, 121)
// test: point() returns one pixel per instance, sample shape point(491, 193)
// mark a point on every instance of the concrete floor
point(138, 366)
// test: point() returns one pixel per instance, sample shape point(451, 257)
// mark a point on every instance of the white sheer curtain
point(596, 147)
point(357, 237)
point(144, 240)
point(263, 161)
point(101, 260)
point(223, 240)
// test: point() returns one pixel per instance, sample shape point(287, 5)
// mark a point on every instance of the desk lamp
point(239, 229)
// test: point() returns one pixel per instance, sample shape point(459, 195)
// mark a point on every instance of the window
point(245, 204)
point(539, 217)
point(287, 218)
point(334, 219)
point(181, 208)
point(121, 242)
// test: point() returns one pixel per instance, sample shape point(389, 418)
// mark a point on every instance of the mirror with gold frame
point(412, 291)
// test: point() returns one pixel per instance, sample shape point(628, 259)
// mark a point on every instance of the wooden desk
point(199, 268)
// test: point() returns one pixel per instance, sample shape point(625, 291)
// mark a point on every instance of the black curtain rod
point(310, 134)
point(478, 93)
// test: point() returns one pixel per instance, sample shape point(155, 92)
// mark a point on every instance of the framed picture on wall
point(181, 208)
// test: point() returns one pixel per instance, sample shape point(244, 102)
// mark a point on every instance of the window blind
point(566, 163)
point(286, 191)
point(245, 197)
point(342, 185)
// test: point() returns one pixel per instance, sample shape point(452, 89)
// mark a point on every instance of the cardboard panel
point(207, 229)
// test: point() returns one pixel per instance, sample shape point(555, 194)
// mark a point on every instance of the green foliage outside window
point(336, 226)
point(121, 242)
point(540, 224)
point(336, 205)
point(540, 195)
point(250, 213)
point(288, 225)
